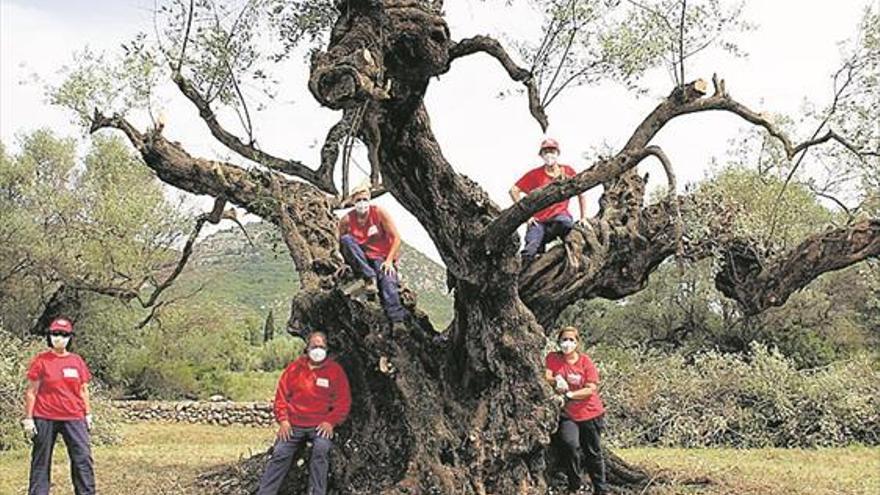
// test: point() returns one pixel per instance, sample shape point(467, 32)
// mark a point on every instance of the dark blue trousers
point(282, 457)
point(539, 234)
point(581, 440)
point(76, 438)
point(389, 285)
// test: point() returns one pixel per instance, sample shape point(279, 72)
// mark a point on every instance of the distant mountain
point(250, 280)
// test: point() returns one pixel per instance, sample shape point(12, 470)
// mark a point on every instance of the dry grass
point(165, 458)
point(849, 471)
point(153, 459)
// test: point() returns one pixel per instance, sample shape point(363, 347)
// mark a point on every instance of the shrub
point(251, 385)
point(277, 353)
point(759, 399)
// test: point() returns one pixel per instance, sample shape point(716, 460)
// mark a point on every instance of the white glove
point(561, 384)
point(30, 428)
point(89, 422)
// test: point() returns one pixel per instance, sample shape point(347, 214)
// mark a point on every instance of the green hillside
point(251, 280)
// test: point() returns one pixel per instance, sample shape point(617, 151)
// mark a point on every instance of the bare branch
point(574, 30)
point(189, 21)
point(491, 47)
point(823, 194)
point(322, 178)
point(258, 191)
point(672, 197)
point(154, 310)
point(681, 42)
point(173, 165)
point(184, 258)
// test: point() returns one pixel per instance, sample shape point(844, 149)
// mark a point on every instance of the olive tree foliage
point(97, 222)
point(847, 182)
point(586, 41)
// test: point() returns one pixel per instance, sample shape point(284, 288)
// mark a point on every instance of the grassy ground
point(165, 458)
point(153, 459)
point(850, 471)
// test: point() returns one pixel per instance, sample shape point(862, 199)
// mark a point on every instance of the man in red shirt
point(574, 375)
point(57, 401)
point(370, 244)
point(312, 398)
point(552, 222)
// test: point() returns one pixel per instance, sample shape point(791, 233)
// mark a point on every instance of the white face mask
point(59, 342)
point(550, 157)
point(362, 206)
point(568, 346)
point(317, 354)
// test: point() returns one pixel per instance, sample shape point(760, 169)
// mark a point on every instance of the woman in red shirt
point(552, 222)
point(370, 244)
point(574, 375)
point(57, 401)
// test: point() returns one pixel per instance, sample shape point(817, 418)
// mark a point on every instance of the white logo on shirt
point(322, 382)
point(70, 373)
point(373, 230)
point(574, 378)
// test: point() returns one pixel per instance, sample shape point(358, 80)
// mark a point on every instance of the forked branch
point(493, 48)
point(321, 178)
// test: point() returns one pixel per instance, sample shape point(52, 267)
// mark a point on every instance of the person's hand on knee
point(284, 430)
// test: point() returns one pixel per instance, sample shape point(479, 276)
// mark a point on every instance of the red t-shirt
point(370, 235)
point(538, 178)
point(578, 375)
point(59, 396)
point(308, 397)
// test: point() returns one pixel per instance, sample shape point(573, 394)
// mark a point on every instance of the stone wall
point(215, 413)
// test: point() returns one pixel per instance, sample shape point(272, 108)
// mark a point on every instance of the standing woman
point(57, 401)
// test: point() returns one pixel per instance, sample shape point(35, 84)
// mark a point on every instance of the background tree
point(269, 327)
point(98, 225)
point(469, 413)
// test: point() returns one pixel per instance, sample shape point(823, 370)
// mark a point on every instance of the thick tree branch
point(491, 47)
point(257, 191)
point(600, 259)
point(602, 171)
point(672, 196)
point(682, 101)
point(758, 284)
point(321, 178)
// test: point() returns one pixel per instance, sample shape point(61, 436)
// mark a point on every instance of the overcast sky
point(791, 56)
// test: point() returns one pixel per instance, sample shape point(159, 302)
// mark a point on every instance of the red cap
point(61, 325)
point(549, 144)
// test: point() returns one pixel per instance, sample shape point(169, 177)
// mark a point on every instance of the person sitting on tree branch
point(552, 222)
point(312, 398)
point(574, 376)
point(370, 244)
